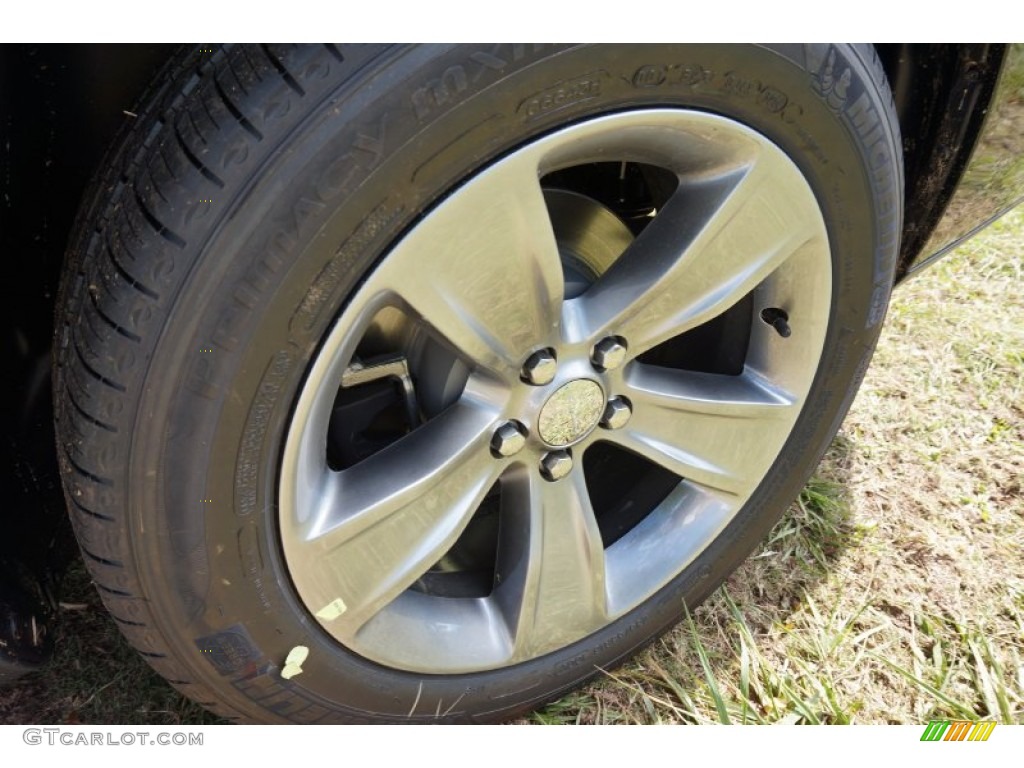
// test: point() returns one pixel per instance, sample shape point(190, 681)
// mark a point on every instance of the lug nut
point(609, 353)
point(616, 413)
point(556, 465)
point(508, 439)
point(540, 368)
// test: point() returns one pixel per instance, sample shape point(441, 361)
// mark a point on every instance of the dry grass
point(891, 592)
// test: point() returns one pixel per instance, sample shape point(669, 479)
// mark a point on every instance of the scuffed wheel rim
point(532, 376)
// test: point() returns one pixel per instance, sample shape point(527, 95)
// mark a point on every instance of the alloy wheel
point(510, 356)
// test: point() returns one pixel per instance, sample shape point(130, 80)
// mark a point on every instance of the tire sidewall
point(316, 218)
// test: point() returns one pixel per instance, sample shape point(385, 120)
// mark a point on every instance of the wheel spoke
point(551, 568)
point(721, 432)
point(483, 269)
point(469, 299)
point(383, 522)
point(711, 244)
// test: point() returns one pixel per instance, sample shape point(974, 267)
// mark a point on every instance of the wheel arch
point(942, 93)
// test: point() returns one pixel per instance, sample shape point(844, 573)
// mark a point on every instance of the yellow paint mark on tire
point(293, 663)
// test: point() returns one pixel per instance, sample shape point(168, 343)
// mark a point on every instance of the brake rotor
point(590, 237)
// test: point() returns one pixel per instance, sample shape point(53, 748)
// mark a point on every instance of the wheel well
point(60, 107)
point(941, 92)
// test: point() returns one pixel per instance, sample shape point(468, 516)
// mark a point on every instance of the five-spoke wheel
point(469, 535)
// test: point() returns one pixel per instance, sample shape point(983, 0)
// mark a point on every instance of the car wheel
point(416, 383)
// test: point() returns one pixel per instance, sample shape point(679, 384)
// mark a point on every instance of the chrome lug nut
point(556, 465)
point(540, 368)
point(616, 413)
point(609, 353)
point(509, 439)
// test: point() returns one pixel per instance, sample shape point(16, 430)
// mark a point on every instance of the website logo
point(958, 730)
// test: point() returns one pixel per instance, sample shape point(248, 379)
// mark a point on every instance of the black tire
point(256, 189)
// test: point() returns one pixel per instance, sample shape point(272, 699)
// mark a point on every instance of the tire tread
point(132, 244)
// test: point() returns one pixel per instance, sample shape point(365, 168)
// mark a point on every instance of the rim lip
point(332, 355)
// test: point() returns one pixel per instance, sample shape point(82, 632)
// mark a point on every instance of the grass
point(891, 592)
point(95, 676)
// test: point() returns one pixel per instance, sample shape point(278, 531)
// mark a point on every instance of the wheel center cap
point(571, 412)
